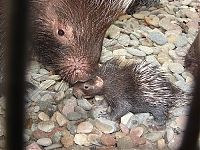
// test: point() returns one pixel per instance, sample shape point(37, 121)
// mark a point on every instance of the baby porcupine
point(137, 88)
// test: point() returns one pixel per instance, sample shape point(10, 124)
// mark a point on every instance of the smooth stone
point(61, 86)
point(147, 50)
point(170, 134)
point(158, 37)
point(125, 143)
point(154, 136)
point(33, 146)
point(46, 126)
point(141, 14)
point(67, 140)
point(161, 144)
point(113, 31)
point(152, 20)
point(43, 71)
point(53, 147)
point(46, 84)
point(120, 52)
point(84, 127)
point(84, 104)
point(47, 97)
point(106, 126)
point(44, 141)
point(125, 119)
point(42, 116)
point(94, 139)
point(81, 139)
point(108, 140)
point(124, 39)
point(152, 59)
point(176, 68)
point(135, 52)
point(181, 41)
point(137, 131)
point(73, 116)
point(69, 106)
point(60, 119)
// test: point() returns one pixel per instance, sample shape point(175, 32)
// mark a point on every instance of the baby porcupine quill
point(137, 88)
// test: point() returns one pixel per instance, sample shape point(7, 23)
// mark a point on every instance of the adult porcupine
point(133, 87)
point(192, 61)
point(67, 35)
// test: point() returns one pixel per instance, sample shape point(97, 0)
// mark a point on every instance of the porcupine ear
point(98, 81)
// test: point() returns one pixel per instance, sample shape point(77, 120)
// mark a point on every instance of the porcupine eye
point(61, 32)
point(86, 87)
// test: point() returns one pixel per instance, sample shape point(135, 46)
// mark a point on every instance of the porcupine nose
point(78, 69)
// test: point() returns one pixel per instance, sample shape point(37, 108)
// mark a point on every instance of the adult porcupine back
point(133, 87)
point(68, 34)
point(192, 61)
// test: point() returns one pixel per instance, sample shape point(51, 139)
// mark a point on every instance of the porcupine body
point(136, 88)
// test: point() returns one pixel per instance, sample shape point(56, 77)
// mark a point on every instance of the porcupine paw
point(104, 114)
point(157, 125)
point(159, 122)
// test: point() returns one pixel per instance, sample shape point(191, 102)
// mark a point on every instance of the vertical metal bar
point(15, 73)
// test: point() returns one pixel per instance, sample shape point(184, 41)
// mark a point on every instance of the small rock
point(43, 71)
point(138, 131)
point(108, 140)
point(125, 119)
point(166, 24)
point(94, 139)
point(154, 136)
point(47, 97)
point(46, 126)
point(67, 140)
point(181, 41)
point(84, 127)
point(120, 52)
point(69, 106)
point(181, 122)
point(113, 32)
point(61, 120)
point(152, 20)
point(135, 52)
point(124, 128)
point(33, 146)
point(180, 111)
point(106, 126)
point(176, 68)
point(53, 147)
point(81, 139)
point(125, 143)
point(44, 141)
point(158, 37)
point(141, 14)
point(46, 84)
point(84, 104)
point(124, 39)
point(161, 144)
point(61, 86)
point(73, 116)
point(170, 134)
point(59, 96)
point(42, 116)
point(147, 50)
point(175, 143)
